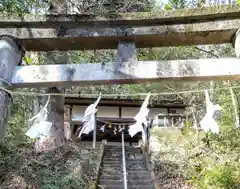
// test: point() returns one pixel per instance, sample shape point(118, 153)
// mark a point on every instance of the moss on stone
point(184, 12)
point(164, 15)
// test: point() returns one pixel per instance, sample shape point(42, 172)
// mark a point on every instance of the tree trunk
point(35, 106)
point(235, 107)
point(56, 137)
point(67, 122)
point(11, 55)
point(234, 103)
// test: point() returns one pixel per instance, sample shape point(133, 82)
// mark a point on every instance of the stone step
point(128, 167)
point(110, 182)
point(136, 169)
point(120, 161)
point(138, 172)
point(106, 156)
point(121, 181)
point(110, 187)
point(111, 171)
point(148, 186)
point(120, 176)
point(122, 187)
point(120, 153)
point(120, 146)
point(112, 155)
point(126, 151)
point(111, 175)
point(130, 163)
point(120, 150)
point(140, 182)
point(127, 157)
point(112, 148)
point(113, 163)
point(105, 172)
point(111, 159)
point(103, 166)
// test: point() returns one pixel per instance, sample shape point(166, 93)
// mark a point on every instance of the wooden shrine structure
point(124, 32)
point(120, 111)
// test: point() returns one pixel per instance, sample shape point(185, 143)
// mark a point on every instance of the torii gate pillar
point(126, 58)
point(236, 43)
point(11, 54)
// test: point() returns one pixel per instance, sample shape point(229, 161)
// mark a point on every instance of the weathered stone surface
point(11, 55)
point(212, 25)
point(131, 19)
point(141, 72)
point(126, 56)
point(56, 136)
point(236, 43)
point(43, 39)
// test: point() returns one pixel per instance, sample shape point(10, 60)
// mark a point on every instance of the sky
point(160, 2)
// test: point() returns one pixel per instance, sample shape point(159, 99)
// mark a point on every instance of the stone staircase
point(111, 171)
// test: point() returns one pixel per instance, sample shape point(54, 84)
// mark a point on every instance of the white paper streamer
point(208, 123)
point(120, 128)
point(141, 118)
point(89, 118)
point(40, 126)
point(103, 128)
point(38, 129)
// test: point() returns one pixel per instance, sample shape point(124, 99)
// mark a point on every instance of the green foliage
point(47, 170)
point(168, 6)
point(21, 110)
point(28, 60)
point(218, 167)
point(58, 182)
point(18, 6)
point(72, 182)
point(175, 4)
point(219, 177)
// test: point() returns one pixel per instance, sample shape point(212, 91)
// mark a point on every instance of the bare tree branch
point(175, 92)
point(208, 52)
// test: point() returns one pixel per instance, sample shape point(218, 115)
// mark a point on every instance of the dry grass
point(171, 157)
point(68, 167)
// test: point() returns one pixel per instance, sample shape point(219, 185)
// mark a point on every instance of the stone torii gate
point(126, 32)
